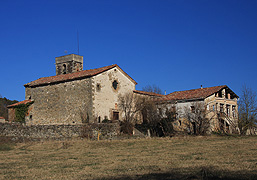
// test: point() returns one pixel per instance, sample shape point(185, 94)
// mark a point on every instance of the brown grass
point(157, 158)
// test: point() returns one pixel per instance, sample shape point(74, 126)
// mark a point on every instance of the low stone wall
point(104, 130)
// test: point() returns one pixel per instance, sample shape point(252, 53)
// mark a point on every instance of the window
point(221, 108)
point(99, 119)
point(234, 111)
point(228, 110)
point(192, 109)
point(115, 84)
point(213, 107)
point(98, 87)
point(115, 115)
point(179, 122)
point(208, 107)
point(64, 69)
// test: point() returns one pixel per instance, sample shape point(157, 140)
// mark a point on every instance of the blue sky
point(176, 45)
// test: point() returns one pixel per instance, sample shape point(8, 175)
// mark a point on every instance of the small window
point(98, 87)
point(115, 84)
point(99, 119)
point(192, 109)
point(213, 107)
point(179, 122)
point(30, 117)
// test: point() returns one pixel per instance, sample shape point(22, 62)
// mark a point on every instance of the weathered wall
point(108, 131)
point(61, 103)
point(11, 114)
point(105, 96)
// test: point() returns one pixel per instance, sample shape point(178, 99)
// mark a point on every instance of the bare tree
point(130, 105)
point(158, 118)
point(247, 110)
point(197, 121)
point(152, 88)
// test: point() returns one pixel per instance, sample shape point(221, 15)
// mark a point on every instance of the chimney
point(201, 86)
point(165, 92)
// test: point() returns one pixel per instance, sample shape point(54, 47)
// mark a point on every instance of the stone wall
point(106, 131)
point(61, 103)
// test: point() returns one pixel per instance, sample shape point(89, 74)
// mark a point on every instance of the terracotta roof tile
point(72, 76)
point(147, 93)
point(18, 103)
point(200, 93)
point(2, 118)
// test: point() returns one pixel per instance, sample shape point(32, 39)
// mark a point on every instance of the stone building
point(220, 104)
point(74, 95)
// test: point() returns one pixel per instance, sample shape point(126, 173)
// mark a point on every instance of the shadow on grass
point(204, 173)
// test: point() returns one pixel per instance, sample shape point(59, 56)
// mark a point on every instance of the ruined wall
point(105, 96)
point(62, 103)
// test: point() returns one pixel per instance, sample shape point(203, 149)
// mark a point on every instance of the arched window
point(64, 69)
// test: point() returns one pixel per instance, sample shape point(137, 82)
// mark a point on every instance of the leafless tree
point(158, 117)
point(247, 110)
point(197, 121)
point(152, 88)
point(130, 105)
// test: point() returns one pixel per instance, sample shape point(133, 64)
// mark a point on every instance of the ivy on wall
point(21, 111)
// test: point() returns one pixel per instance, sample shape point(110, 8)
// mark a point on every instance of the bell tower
point(68, 64)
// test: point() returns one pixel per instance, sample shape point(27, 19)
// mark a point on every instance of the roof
point(2, 118)
point(74, 76)
point(18, 103)
point(200, 93)
point(148, 93)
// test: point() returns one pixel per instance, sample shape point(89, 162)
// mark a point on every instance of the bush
point(126, 127)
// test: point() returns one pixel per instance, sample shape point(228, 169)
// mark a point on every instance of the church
point(74, 95)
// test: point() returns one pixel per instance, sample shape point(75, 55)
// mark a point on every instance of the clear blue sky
point(176, 45)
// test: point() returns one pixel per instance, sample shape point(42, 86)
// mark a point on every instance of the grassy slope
point(160, 158)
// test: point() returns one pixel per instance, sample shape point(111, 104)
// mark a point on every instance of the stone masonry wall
point(62, 103)
point(107, 131)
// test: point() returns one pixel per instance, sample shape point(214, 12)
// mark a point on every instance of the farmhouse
point(219, 103)
point(75, 96)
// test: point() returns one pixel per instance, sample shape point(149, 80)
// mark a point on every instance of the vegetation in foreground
point(157, 158)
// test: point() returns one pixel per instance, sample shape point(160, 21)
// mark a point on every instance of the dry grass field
point(157, 158)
